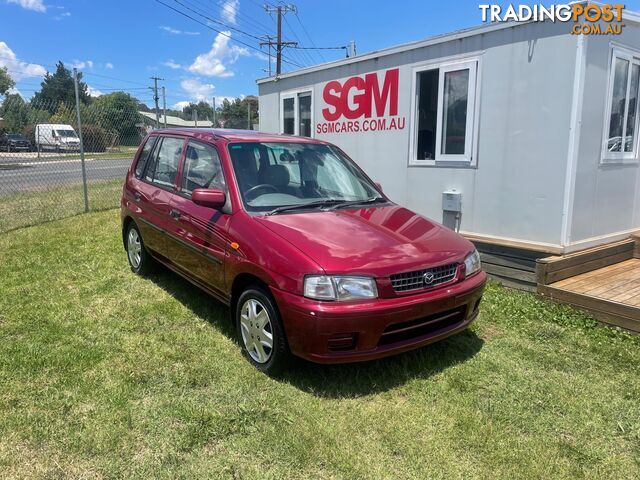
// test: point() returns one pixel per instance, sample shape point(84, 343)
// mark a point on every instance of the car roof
point(234, 135)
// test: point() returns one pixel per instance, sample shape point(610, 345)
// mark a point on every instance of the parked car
point(312, 258)
point(14, 142)
point(56, 137)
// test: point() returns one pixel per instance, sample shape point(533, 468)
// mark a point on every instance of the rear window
point(162, 171)
point(144, 156)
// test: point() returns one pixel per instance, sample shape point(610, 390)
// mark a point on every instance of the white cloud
point(17, 68)
point(230, 10)
point(211, 63)
point(62, 16)
point(93, 92)
point(82, 64)
point(209, 100)
point(196, 90)
point(109, 66)
point(175, 31)
point(15, 91)
point(34, 5)
point(181, 105)
point(171, 64)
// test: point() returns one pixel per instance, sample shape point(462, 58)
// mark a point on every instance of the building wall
point(516, 188)
point(607, 196)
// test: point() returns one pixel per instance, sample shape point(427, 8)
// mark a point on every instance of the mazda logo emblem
point(428, 278)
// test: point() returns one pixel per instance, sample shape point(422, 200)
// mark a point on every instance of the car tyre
point(260, 331)
point(140, 261)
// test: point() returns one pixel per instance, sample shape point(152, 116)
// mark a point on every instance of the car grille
point(423, 327)
point(403, 282)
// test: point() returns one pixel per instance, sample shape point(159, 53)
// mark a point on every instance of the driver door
point(200, 242)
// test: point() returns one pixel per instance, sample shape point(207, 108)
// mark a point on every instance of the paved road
point(19, 173)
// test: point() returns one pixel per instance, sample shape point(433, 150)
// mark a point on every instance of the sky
point(120, 45)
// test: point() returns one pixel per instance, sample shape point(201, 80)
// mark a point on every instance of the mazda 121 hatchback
point(309, 254)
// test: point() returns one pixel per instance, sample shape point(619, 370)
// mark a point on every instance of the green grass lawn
point(38, 206)
point(111, 153)
point(104, 374)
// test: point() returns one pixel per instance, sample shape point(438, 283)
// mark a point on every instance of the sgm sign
point(366, 103)
point(586, 17)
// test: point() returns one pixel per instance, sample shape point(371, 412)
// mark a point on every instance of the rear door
point(201, 232)
point(155, 190)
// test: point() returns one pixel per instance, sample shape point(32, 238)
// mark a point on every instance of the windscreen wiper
point(353, 203)
point(329, 202)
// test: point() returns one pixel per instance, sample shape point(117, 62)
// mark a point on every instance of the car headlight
point(325, 287)
point(472, 263)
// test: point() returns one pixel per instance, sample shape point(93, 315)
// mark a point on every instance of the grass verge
point(38, 206)
point(104, 374)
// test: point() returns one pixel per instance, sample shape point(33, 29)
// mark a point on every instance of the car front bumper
point(343, 332)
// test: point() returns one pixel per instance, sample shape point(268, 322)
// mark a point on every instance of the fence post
point(84, 170)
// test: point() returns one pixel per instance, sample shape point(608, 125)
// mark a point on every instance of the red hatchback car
point(312, 258)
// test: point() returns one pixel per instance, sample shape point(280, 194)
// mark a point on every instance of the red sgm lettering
point(359, 97)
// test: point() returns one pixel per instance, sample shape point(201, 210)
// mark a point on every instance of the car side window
point(162, 171)
point(144, 156)
point(202, 168)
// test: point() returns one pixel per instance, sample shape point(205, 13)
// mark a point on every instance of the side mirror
point(378, 186)
point(209, 198)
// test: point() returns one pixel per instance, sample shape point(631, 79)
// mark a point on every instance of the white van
point(56, 137)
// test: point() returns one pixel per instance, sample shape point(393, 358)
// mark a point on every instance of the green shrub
point(29, 131)
point(95, 138)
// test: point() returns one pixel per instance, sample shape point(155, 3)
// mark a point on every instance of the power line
point(219, 22)
point(218, 31)
point(306, 56)
point(320, 48)
point(308, 36)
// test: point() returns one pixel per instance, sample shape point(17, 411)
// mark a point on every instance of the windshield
point(15, 136)
point(67, 133)
point(272, 175)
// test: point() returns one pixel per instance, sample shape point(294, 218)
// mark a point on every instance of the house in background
point(149, 119)
point(523, 136)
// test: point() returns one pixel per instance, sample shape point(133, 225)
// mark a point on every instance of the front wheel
point(260, 331)
point(139, 259)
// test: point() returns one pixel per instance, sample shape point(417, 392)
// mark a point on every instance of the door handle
point(137, 196)
point(175, 213)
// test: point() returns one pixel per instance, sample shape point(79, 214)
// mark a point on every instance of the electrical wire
point(308, 36)
point(221, 32)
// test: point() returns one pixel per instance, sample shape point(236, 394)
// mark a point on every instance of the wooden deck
point(610, 293)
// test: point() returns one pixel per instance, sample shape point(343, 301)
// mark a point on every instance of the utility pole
point(214, 113)
point(164, 106)
point(269, 43)
point(280, 11)
point(82, 164)
point(156, 98)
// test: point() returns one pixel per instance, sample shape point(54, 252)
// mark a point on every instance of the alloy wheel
point(134, 248)
point(257, 330)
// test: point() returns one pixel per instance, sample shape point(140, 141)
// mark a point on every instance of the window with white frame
point(296, 113)
point(444, 109)
point(621, 127)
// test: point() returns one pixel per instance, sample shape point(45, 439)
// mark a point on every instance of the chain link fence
point(59, 159)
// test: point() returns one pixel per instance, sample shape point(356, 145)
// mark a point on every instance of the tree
point(234, 114)
point(15, 113)
point(59, 88)
point(6, 82)
point(116, 112)
point(64, 114)
point(205, 111)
